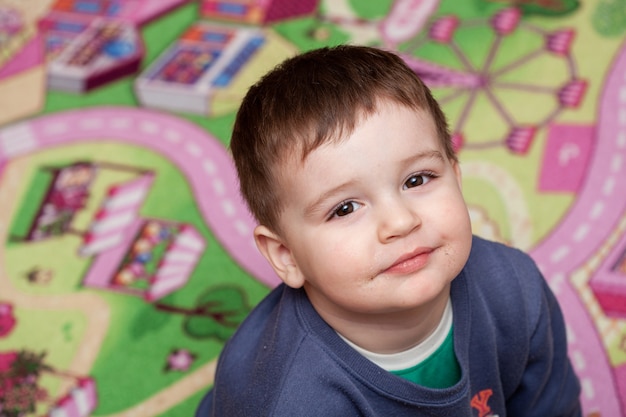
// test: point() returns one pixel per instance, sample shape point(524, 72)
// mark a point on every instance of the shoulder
point(487, 253)
point(517, 321)
point(246, 356)
point(501, 266)
point(262, 330)
point(506, 282)
point(268, 364)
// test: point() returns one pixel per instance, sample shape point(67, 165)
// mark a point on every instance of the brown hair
point(313, 98)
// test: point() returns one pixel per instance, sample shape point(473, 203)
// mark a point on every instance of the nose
point(397, 218)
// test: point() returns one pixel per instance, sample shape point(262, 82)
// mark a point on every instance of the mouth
point(410, 262)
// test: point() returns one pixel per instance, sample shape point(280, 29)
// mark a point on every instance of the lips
point(410, 262)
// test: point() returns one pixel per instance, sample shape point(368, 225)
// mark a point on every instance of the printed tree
point(19, 378)
point(217, 313)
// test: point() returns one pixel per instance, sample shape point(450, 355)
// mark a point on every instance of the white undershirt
point(415, 355)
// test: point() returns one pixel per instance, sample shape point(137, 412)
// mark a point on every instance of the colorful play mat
point(127, 257)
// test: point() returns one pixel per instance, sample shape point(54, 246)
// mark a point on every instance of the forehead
point(371, 136)
point(318, 133)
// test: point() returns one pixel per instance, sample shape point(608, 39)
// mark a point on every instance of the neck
point(390, 332)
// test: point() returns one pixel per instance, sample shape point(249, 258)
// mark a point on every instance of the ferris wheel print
point(498, 79)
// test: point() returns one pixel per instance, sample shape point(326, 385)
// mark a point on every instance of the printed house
point(135, 255)
point(256, 11)
point(79, 402)
point(91, 43)
point(209, 68)
point(153, 259)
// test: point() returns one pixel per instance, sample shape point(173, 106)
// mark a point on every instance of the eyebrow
point(315, 206)
point(431, 154)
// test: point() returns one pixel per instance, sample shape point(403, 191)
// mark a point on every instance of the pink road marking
point(406, 19)
point(200, 157)
point(579, 236)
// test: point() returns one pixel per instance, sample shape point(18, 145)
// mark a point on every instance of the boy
point(389, 306)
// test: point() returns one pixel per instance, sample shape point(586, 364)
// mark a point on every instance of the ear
point(279, 256)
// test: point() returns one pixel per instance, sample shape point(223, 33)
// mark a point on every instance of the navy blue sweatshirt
point(509, 339)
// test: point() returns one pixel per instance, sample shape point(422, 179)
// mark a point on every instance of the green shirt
point(439, 370)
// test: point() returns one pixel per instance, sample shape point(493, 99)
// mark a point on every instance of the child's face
point(375, 223)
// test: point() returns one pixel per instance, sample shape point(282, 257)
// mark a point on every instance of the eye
point(344, 208)
point(418, 179)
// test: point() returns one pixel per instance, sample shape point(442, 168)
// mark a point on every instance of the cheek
point(358, 261)
point(454, 224)
point(341, 248)
point(341, 256)
point(455, 210)
point(460, 238)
